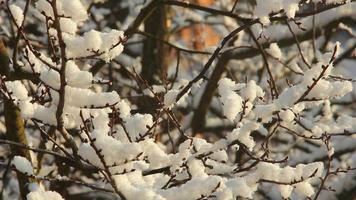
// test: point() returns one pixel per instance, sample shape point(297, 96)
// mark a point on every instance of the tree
point(108, 99)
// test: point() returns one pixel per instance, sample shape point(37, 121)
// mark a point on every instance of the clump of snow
point(239, 187)
point(69, 8)
point(243, 134)
point(22, 165)
point(287, 115)
point(68, 25)
point(274, 50)
point(51, 78)
point(79, 97)
point(124, 109)
point(232, 102)
point(170, 97)
point(104, 45)
point(304, 189)
point(137, 125)
point(295, 67)
point(264, 8)
point(73, 8)
point(251, 91)
point(40, 194)
point(76, 77)
point(17, 90)
point(17, 13)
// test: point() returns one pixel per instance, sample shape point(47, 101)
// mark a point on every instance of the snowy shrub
point(111, 99)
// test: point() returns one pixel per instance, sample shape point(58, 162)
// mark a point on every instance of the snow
point(333, 1)
point(137, 125)
point(264, 8)
point(42, 113)
point(232, 102)
point(310, 168)
point(51, 78)
point(205, 166)
point(170, 97)
point(264, 112)
point(76, 77)
point(104, 45)
point(290, 95)
point(17, 90)
point(276, 32)
point(290, 7)
point(68, 25)
point(285, 190)
point(40, 194)
point(79, 97)
point(239, 187)
point(322, 90)
point(287, 175)
point(346, 28)
point(118, 153)
point(88, 153)
point(44, 6)
point(124, 109)
point(287, 115)
point(17, 13)
point(80, 46)
point(243, 134)
point(27, 109)
point(100, 121)
point(251, 91)
point(304, 189)
point(115, 151)
point(22, 165)
point(274, 50)
point(156, 156)
point(192, 189)
point(302, 173)
point(74, 9)
point(295, 67)
point(196, 168)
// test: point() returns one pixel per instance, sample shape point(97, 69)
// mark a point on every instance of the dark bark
point(155, 54)
point(15, 126)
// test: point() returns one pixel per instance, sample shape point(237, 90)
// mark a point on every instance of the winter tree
point(177, 100)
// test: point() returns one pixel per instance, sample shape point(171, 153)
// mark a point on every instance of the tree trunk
point(15, 126)
point(155, 54)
